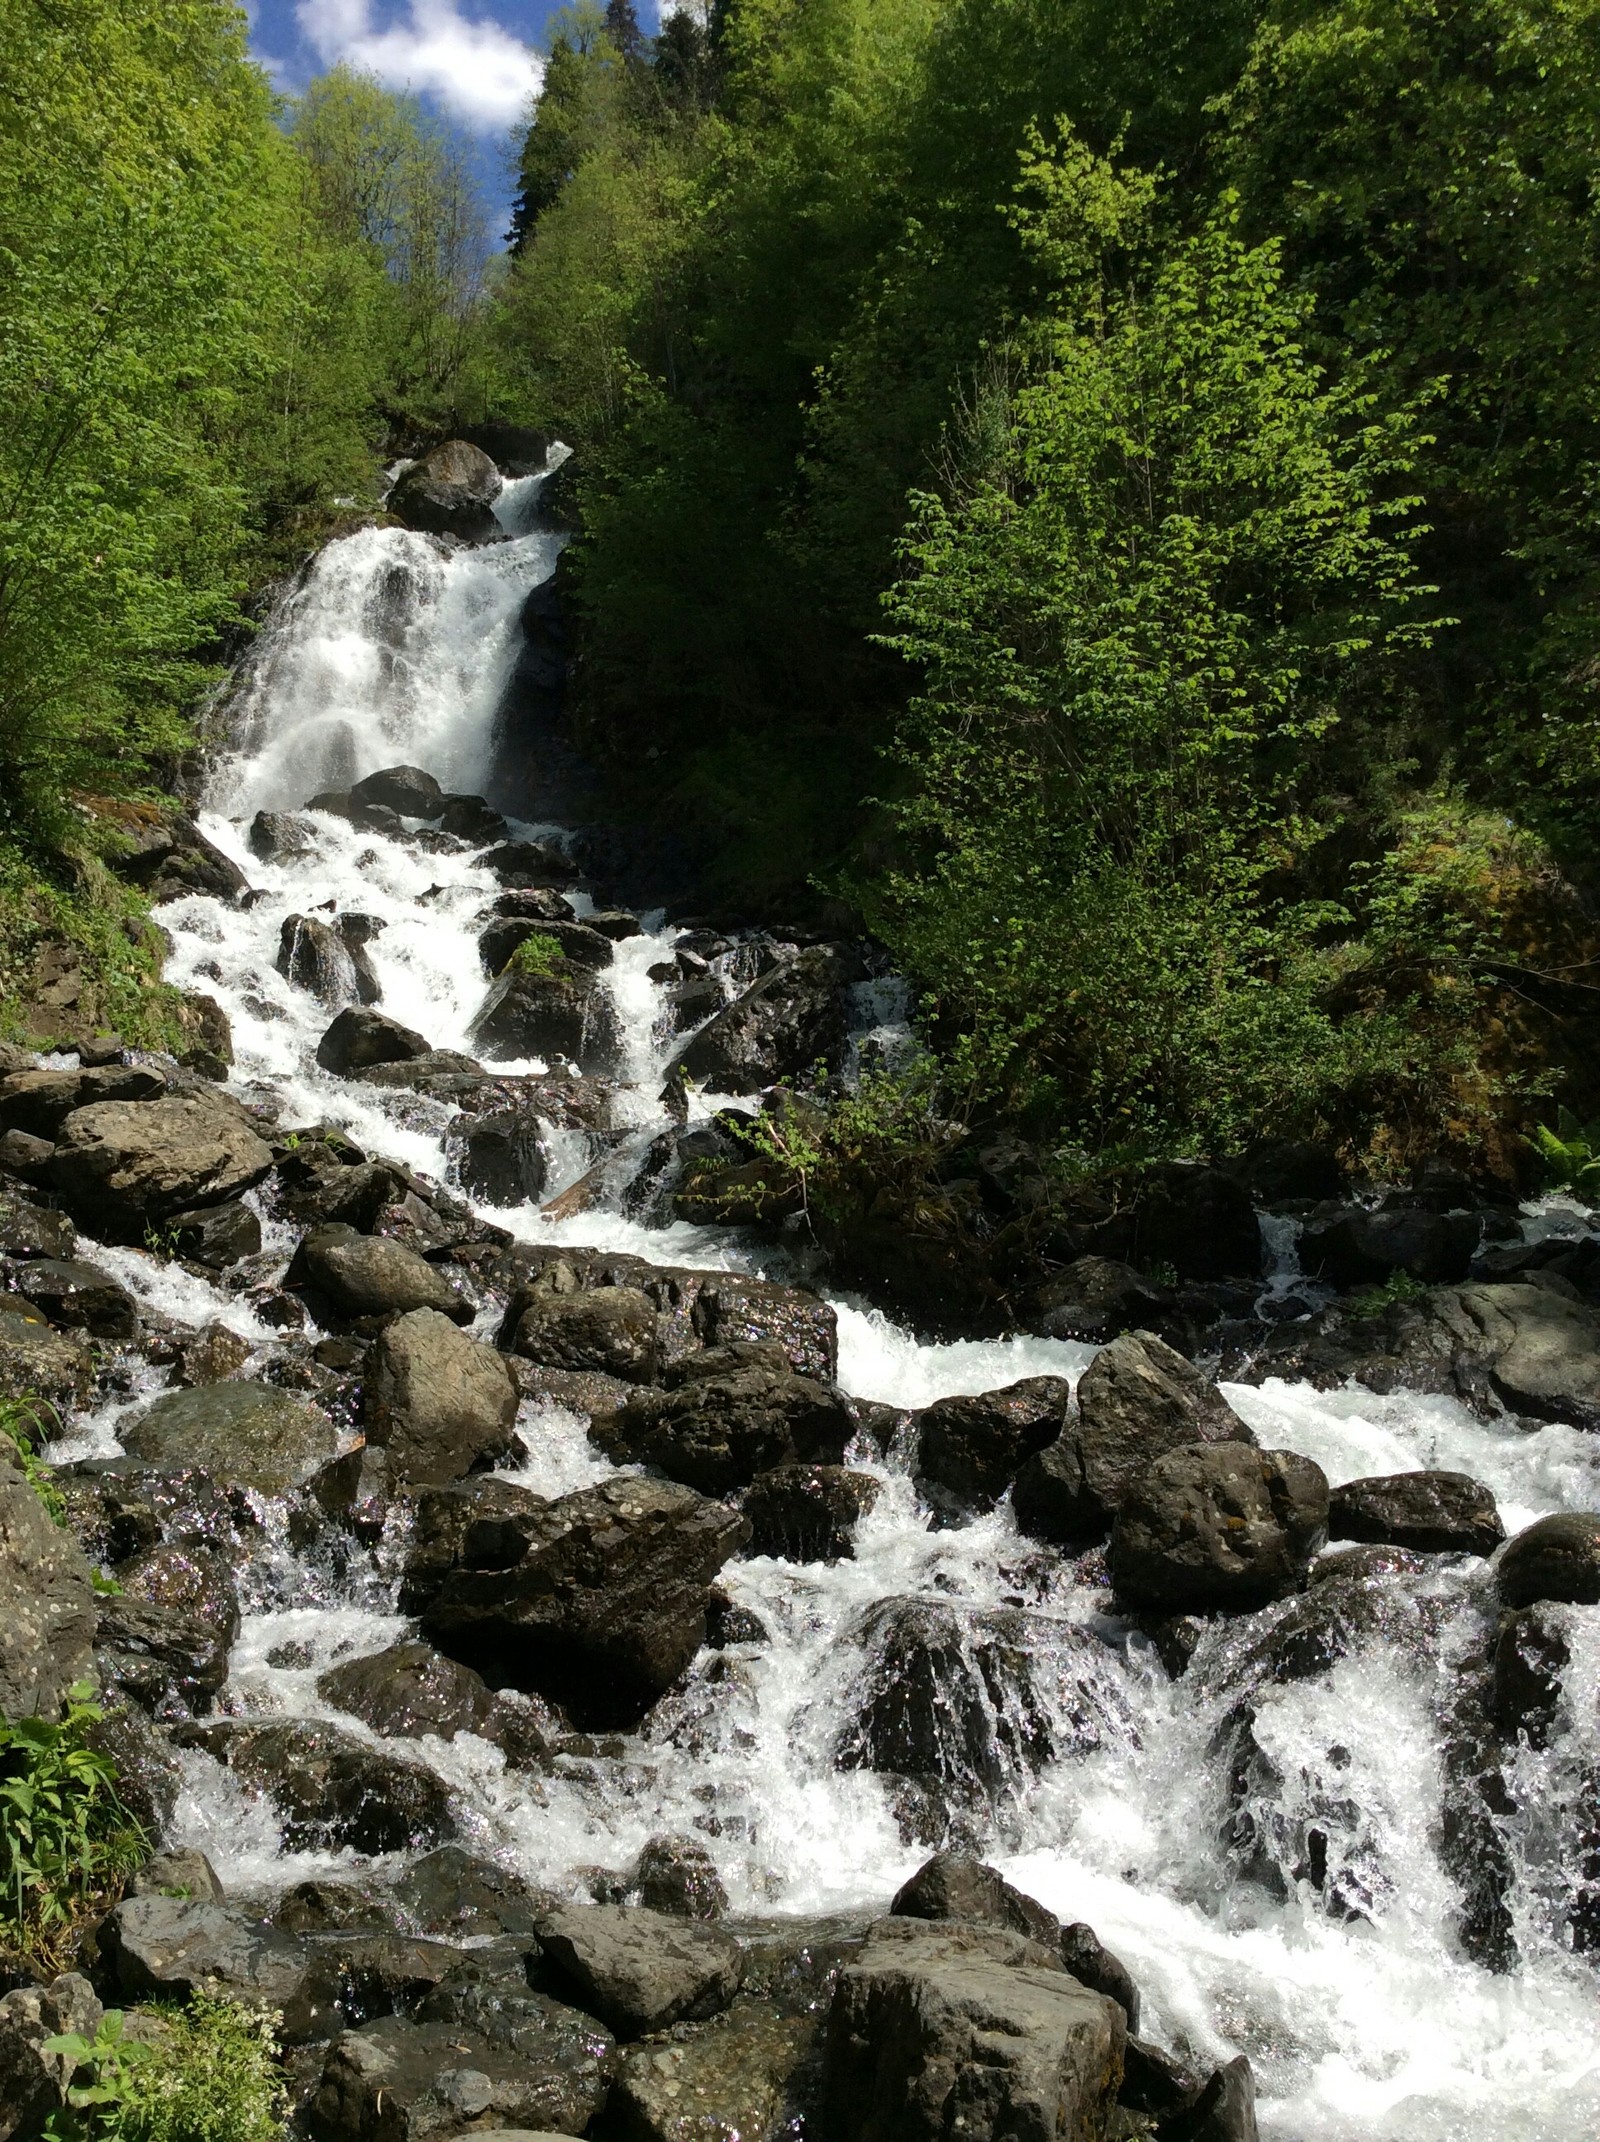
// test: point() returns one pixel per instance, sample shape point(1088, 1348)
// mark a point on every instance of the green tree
point(1169, 554)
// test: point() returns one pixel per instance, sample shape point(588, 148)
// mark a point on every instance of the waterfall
point(1119, 1796)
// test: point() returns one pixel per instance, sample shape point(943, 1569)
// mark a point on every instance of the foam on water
point(1368, 2029)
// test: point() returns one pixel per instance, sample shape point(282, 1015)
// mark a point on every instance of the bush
point(208, 2074)
point(538, 955)
point(67, 1843)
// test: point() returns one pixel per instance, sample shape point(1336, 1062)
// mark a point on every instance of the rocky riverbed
point(593, 1676)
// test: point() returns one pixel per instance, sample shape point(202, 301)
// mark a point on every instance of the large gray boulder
point(314, 956)
point(33, 2082)
point(248, 1434)
point(568, 1013)
point(410, 790)
point(360, 1038)
point(808, 1513)
point(38, 1363)
point(612, 1329)
point(739, 2074)
point(330, 1789)
point(1556, 1558)
point(969, 1449)
point(717, 1433)
point(781, 1026)
point(163, 1658)
point(1137, 1400)
point(1428, 1512)
point(79, 1296)
point(533, 2069)
point(597, 1600)
point(440, 1403)
point(121, 1167)
point(408, 1690)
point(162, 1948)
point(1218, 1526)
point(47, 1604)
point(370, 1276)
point(39, 1102)
point(639, 1970)
point(945, 2030)
point(450, 491)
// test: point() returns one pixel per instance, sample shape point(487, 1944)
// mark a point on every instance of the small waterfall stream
point(1371, 2028)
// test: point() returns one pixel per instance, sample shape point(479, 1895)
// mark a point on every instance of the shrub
point(24, 1424)
point(67, 1842)
point(538, 955)
point(1571, 1154)
point(209, 2074)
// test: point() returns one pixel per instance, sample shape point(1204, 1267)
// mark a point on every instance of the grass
point(537, 955)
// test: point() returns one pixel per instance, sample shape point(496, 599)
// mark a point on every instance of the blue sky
point(473, 62)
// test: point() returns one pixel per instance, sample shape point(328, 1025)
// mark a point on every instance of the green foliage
point(1571, 1154)
point(1371, 1302)
point(208, 2073)
point(25, 1423)
point(1138, 614)
point(537, 955)
point(67, 1843)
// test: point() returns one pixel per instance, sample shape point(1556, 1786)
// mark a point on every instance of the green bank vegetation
point(207, 2072)
point(1149, 452)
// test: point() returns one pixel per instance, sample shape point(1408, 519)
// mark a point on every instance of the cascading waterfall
point(1370, 2027)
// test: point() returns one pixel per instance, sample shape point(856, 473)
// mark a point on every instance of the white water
point(1375, 2030)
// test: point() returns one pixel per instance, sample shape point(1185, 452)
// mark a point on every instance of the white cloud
point(477, 69)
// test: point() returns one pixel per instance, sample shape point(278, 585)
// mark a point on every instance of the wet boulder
point(405, 789)
point(1557, 1558)
point(409, 1690)
point(808, 1513)
point(314, 957)
point(121, 1167)
point(450, 491)
point(248, 1434)
point(471, 818)
point(37, 1363)
point(80, 1297)
point(453, 1894)
point(612, 1329)
point(482, 1523)
point(47, 1603)
point(1218, 1526)
point(399, 2081)
point(970, 1698)
point(1095, 1298)
point(29, 1230)
point(191, 1578)
point(171, 858)
point(1137, 1400)
point(1430, 1513)
point(1224, 2111)
point(168, 1948)
point(214, 1235)
point(530, 865)
point(677, 1876)
point(969, 1449)
point(638, 1970)
point(573, 941)
point(1531, 1655)
point(1354, 1247)
point(439, 1403)
point(729, 1308)
point(360, 1038)
point(500, 1157)
point(183, 1872)
point(370, 1276)
point(163, 1658)
point(961, 2029)
point(783, 1024)
point(718, 1433)
point(736, 2075)
point(34, 2082)
point(329, 1789)
point(279, 837)
point(954, 1885)
point(39, 1102)
point(566, 1013)
point(597, 1600)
